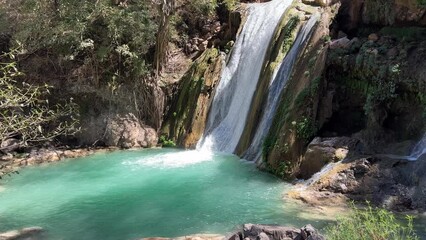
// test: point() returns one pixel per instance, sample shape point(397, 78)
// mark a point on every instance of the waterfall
point(278, 82)
point(419, 149)
point(238, 82)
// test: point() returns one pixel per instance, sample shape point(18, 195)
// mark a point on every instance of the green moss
point(421, 3)
point(405, 33)
point(286, 37)
point(180, 116)
point(281, 116)
point(305, 129)
point(166, 142)
point(379, 11)
point(231, 5)
point(422, 100)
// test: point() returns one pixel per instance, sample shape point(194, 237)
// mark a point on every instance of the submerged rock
point(30, 233)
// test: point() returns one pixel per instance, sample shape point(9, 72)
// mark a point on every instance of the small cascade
point(416, 153)
point(419, 149)
point(239, 78)
point(278, 82)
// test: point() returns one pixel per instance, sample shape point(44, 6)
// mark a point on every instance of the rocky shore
point(387, 181)
point(247, 232)
point(10, 163)
point(257, 232)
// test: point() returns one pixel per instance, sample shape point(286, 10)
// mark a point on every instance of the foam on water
point(173, 160)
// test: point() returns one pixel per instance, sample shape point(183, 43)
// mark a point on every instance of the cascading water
point(419, 149)
point(239, 78)
point(279, 79)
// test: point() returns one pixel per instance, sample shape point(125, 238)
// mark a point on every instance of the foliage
point(25, 114)
point(422, 2)
point(283, 169)
point(167, 142)
point(371, 224)
point(305, 129)
point(384, 88)
point(406, 33)
point(205, 7)
point(230, 4)
point(111, 40)
point(422, 100)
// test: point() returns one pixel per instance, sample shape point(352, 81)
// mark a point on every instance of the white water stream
point(419, 149)
point(232, 100)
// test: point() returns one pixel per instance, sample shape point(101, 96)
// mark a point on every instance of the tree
point(165, 9)
point(25, 112)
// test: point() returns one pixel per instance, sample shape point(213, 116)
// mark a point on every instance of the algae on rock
point(298, 116)
point(280, 44)
point(186, 118)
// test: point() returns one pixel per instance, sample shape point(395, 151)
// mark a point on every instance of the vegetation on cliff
point(112, 57)
point(26, 116)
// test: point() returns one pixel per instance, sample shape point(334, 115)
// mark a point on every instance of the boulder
point(127, 132)
point(310, 233)
point(276, 232)
point(373, 37)
point(190, 237)
point(9, 145)
point(340, 43)
point(325, 150)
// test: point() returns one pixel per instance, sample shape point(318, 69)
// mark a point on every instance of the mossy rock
point(185, 121)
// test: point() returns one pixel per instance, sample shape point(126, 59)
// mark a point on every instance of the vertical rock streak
point(277, 85)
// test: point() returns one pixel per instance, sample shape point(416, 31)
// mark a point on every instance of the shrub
point(25, 113)
point(167, 142)
point(110, 40)
point(371, 224)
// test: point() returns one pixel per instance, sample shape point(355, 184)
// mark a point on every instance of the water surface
point(131, 194)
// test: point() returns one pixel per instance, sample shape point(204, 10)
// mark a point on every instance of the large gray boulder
point(127, 132)
point(117, 130)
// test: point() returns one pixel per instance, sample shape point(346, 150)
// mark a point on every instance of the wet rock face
point(376, 83)
point(187, 115)
point(325, 150)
